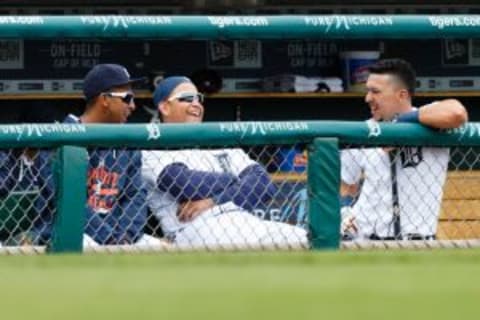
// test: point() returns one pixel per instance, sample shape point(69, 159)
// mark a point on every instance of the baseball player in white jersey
point(421, 173)
point(400, 189)
point(203, 198)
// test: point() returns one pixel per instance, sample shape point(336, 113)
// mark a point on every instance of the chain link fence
point(250, 198)
point(415, 196)
point(228, 198)
point(19, 198)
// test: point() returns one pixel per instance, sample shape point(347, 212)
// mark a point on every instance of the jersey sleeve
point(132, 222)
point(6, 169)
point(351, 168)
point(239, 160)
point(185, 184)
point(253, 188)
point(155, 161)
point(172, 172)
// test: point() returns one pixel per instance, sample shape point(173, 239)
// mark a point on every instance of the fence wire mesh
point(252, 198)
point(410, 195)
point(19, 195)
point(228, 198)
point(245, 198)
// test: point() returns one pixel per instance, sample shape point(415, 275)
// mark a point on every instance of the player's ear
point(404, 94)
point(104, 103)
point(164, 108)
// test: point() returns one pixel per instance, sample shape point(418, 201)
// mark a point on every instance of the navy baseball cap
point(103, 77)
point(166, 86)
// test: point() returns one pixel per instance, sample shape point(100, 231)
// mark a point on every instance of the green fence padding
point(323, 190)
point(70, 171)
point(233, 133)
point(240, 27)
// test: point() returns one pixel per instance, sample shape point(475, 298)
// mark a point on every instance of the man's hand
point(348, 225)
point(189, 210)
point(388, 149)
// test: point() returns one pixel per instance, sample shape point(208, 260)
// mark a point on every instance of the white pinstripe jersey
point(421, 174)
point(163, 205)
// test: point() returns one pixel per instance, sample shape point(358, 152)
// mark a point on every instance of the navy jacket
point(16, 173)
point(116, 209)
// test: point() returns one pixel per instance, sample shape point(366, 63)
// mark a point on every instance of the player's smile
point(195, 111)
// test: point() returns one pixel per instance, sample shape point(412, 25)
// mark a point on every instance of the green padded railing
point(240, 27)
point(232, 133)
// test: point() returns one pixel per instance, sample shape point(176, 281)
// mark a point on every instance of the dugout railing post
point(70, 174)
point(323, 190)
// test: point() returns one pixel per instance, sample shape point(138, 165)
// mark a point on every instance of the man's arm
point(185, 184)
point(189, 210)
point(254, 187)
point(6, 172)
point(348, 192)
point(351, 174)
point(132, 203)
point(44, 204)
point(444, 114)
point(97, 227)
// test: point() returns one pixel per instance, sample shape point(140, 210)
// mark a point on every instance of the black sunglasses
point(126, 96)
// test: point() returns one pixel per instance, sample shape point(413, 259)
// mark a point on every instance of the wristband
point(411, 117)
point(346, 200)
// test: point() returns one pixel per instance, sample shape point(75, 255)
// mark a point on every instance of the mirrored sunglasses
point(126, 96)
point(188, 97)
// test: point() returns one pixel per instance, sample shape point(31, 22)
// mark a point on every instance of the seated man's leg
point(239, 229)
point(285, 235)
point(148, 240)
point(88, 242)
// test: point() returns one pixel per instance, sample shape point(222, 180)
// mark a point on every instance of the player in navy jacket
point(115, 210)
point(17, 171)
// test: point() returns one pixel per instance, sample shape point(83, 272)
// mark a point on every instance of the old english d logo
point(411, 157)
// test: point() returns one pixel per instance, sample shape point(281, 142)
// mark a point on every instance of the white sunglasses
point(126, 96)
point(187, 97)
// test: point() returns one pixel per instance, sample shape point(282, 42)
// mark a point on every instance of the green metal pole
point(323, 191)
point(70, 170)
